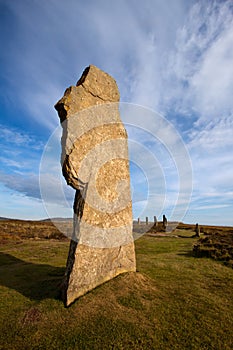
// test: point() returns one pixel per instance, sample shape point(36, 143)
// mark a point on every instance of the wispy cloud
point(26, 184)
point(20, 138)
point(211, 206)
point(198, 66)
point(20, 152)
point(12, 136)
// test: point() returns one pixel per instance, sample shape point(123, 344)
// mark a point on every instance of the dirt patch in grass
point(31, 316)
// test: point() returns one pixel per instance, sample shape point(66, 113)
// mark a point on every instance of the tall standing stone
point(95, 163)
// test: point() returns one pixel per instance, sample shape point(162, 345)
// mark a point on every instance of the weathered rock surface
point(95, 163)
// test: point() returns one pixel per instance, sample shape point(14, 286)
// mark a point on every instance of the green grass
point(173, 301)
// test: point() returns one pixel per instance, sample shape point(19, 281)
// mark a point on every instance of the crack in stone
point(91, 93)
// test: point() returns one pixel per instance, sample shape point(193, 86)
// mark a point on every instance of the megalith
point(197, 230)
point(95, 163)
point(164, 222)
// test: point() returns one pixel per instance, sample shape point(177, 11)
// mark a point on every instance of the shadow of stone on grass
point(34, 281)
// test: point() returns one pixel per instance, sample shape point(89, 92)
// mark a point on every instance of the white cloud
point(211, 206)
point(13, 136)
point(213, 84)
point(214, 136)
point(10, 162)
point(200, 69)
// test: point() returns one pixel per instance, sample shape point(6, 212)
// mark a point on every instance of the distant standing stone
point(197, 230)
point(164, 222)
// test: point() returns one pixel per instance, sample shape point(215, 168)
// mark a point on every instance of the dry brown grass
point(206, 229)
point(21, 229)
point(218, 246)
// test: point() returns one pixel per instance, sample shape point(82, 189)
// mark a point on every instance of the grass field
point(173, 301)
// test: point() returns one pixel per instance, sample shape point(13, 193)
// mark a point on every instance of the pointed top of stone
point(93, 88)
point(99, 84)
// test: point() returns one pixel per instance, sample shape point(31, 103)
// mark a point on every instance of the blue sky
point(174, 58)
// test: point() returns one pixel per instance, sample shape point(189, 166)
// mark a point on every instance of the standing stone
point(95, 163)
point(197, 230)
point(147, 221)
point(164, 222)
point(155, 221)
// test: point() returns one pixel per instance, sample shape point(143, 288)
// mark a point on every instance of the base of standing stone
point(101, 265)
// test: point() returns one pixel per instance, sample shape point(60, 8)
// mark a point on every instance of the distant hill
point(3, 218)
point(56, 219)
point(42, 220)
